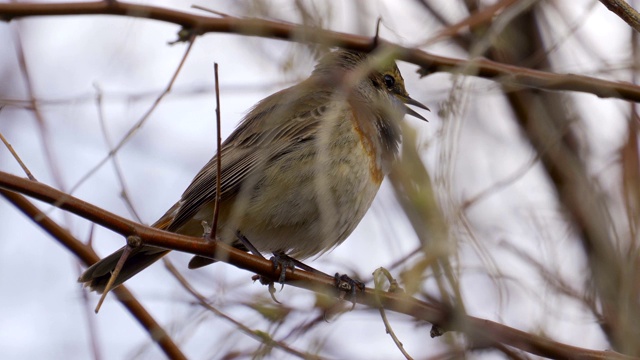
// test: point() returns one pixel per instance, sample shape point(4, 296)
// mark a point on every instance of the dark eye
point(389, 81)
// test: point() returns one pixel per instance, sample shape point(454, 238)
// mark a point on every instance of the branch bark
point(429, 63)
point(624, 11)
point(86, 254)
point(480, 332)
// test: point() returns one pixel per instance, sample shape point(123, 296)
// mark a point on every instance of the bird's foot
point(348, 286)
point(284, 262)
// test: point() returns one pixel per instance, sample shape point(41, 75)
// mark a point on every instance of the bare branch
point(88, 256)
point(196, 24)
point(478, 331)
point(624, 11)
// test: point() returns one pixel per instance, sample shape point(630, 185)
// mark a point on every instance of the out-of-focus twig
point(379, 275)
point(18, 159)
point(543, 118)
point(124, 193)
point(140, 122)
point(89, 313)
point(481, 17)
point(42, 124)
point(255, 334)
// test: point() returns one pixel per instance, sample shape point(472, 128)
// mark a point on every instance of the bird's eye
point(389, 81)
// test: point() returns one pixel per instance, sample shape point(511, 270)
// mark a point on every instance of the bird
point(298, 173)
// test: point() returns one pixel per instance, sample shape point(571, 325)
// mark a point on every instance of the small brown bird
point(299, 172)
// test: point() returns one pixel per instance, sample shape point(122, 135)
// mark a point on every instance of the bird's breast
point(311, 198)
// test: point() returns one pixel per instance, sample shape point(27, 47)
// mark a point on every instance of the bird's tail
point(97, 275)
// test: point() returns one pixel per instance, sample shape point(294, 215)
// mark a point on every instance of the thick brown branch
point(479, 331)
point(429, 63)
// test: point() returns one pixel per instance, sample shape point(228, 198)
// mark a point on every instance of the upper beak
point(410, 101)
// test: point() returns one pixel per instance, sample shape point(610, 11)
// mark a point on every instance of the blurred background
point(511, 249)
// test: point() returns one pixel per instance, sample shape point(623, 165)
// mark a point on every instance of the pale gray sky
point(42, 312)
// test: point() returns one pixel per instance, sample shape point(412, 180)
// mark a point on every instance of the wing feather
point(264, 135)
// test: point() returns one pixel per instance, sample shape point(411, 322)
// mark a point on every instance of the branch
point(480, 332)
point(544, 119)
point(255, 334)
point(197, 24)
point(88, 256)
point(624, 11)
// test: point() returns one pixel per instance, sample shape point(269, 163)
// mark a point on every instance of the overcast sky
point(73, 59)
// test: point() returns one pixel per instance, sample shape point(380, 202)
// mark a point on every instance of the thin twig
point(216, 207)
point(378, 279)
point(124, 193)
point(255, 334)
point(90, 315)
point(114, 275)
point(42, 124)
point(15, 156)
point(500, 184)
point(139, 123)
point(476, 19)
point(202, 8)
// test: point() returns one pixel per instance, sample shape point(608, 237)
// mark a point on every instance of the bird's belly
point(309, 201)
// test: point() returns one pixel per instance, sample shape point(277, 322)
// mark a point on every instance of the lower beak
point(410, 101)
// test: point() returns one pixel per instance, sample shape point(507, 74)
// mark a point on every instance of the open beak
point(410, 101)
